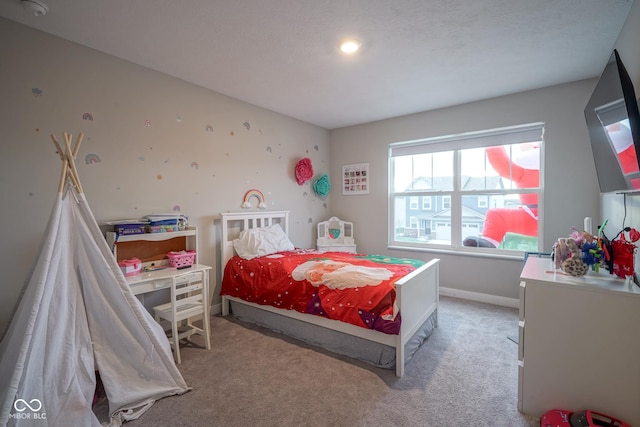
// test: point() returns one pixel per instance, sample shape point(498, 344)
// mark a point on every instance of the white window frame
point(456, 143)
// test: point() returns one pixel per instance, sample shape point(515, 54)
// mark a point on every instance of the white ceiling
point(417, 55)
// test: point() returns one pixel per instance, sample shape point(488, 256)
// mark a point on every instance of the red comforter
point(353, 288)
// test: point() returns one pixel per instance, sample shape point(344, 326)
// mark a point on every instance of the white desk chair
point(189, 300)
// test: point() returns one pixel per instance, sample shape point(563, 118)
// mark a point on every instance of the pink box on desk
point(130, 267)
point(182, 258)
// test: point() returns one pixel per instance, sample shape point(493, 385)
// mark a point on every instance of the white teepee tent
point(77, 315)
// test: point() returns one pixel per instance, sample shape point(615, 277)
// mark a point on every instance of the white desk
point(161, 279)
point(150, 281)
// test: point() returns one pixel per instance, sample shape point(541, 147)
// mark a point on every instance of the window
point(426, 203)
point(446, 202)
point(483, 201)
point(483, 190)
point(413, 203)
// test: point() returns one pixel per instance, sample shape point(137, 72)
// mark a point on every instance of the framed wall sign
point(355, 179)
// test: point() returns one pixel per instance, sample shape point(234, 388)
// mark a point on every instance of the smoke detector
point(35, 7)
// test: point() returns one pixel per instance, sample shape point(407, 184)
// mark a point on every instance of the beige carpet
point(465, 374)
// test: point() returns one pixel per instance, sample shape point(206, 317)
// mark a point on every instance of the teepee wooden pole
point(68, 159)
point(58, 147)
point(72, 164)
point(65, 166)
point(77, 147)
point(63, 178)
point(68, 156)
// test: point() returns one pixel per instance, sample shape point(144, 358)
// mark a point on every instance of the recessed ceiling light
point(349, 46)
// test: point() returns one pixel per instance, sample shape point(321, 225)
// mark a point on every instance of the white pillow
point(262, 241)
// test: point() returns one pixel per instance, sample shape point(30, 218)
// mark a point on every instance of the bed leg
point(225, 306)
point(399, 356)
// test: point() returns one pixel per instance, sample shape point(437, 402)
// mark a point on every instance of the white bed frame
point(417, 294)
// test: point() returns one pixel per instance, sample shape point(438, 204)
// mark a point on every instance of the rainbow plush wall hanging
point(254, 193)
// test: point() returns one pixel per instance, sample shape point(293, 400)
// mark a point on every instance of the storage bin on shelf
point(182, 259)
point(125, 229)
point(163, 225)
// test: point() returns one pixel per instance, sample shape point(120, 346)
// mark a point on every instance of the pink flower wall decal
point(304, 170)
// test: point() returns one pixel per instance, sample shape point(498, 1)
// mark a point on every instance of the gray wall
point(570, 184)
point(47, 84)
point(613, 205)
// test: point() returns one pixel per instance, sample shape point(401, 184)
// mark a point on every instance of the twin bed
point(374, 308)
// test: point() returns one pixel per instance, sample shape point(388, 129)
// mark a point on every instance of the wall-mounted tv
point(614, 129)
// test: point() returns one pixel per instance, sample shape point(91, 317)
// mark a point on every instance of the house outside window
point(426, 203)
point(483, 188)
point(413, 203)
point(483, 202)
point(446, 202)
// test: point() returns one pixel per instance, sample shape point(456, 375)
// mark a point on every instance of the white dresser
point(579, 343)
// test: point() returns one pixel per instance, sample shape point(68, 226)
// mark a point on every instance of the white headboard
point(235, 222)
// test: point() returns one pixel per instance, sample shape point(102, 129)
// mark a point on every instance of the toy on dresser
point(580, 252)
point(622, 252)
point(577, 254)
point(570, 259)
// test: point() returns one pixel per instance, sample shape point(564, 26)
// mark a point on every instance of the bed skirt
point(376, 354)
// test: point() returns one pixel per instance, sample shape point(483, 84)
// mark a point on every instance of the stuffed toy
point(560, 252)
point(574, 265)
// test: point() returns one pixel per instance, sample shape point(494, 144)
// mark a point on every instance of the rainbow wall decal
point(254, 193)
point(91, 159)
point(87, 116)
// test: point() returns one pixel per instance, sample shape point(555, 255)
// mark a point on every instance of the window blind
point(504, 136)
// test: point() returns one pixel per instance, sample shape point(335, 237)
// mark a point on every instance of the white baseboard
point(215, 309)
point(476, 296)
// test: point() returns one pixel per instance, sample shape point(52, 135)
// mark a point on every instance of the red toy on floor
point(561, 418)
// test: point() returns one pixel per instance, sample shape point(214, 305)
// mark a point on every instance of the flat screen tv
point(614, 129)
